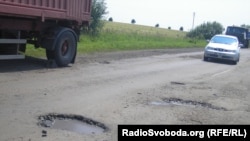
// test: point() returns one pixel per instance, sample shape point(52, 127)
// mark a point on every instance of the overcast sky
point(177, 13)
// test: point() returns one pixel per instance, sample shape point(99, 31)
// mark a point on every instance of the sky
point(179, 13)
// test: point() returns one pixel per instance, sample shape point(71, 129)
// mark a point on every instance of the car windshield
point(223, 40)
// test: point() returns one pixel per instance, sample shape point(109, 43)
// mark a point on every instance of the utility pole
point(193, 20)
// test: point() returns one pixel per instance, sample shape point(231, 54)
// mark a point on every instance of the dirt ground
point(166, 86)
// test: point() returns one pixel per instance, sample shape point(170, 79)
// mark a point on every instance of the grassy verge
point(121, 36)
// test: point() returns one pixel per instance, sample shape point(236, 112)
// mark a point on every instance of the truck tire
point(65, 49)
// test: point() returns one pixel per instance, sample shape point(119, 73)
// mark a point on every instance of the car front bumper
point(233, 56)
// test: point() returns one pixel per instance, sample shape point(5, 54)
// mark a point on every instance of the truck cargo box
point(75, 10)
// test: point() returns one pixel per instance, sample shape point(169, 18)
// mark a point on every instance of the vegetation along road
point(158, 86)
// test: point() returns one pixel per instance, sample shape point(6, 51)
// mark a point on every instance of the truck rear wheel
point(65, 49)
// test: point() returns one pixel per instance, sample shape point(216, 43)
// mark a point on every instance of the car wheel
point(234, 62)
point(205, 58)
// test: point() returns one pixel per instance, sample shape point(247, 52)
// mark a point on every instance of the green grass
point(120, 36)
point(35, 52)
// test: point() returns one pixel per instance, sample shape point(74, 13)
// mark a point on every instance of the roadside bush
point(98, 10)
point(111, 19)
point(181, 28)
point(133, 21)
point(206, 30)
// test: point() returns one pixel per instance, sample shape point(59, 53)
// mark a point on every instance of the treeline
point(206, 30)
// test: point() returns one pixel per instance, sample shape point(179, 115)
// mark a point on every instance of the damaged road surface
point(108, 89)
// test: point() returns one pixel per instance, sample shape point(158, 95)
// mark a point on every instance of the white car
point(223, 47)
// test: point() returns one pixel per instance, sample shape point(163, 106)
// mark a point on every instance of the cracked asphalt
point(167, 86)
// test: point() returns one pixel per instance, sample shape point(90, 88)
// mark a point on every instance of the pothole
point(177, 83)
point(181, 102)
point(105, 62)
point(73, 123)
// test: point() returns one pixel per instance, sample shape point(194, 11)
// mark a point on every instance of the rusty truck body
point(54, 25)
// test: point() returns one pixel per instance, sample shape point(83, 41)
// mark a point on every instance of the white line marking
point(220, 73)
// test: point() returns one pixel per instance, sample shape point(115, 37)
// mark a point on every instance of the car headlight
point(233, 51)
point(209, 48)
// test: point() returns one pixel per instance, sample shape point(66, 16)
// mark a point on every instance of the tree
point(245, 26)
point(111, 19)
point(133, 21)
point(157, 25)
point(206, 30)
point(169, 27)
point(98, 10)
point(181, 28)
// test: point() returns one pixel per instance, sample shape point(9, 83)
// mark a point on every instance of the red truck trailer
point(54, 25)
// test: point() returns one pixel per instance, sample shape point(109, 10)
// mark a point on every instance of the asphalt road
point(161, 87)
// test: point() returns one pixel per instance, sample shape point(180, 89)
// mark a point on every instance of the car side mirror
point(241, 45)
